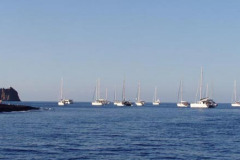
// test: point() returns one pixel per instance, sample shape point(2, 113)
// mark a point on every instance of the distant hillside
point(9, 94)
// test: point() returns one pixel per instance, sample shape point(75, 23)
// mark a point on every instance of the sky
point(154, 42)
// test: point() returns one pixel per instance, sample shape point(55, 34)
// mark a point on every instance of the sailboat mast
point(201, 79)
point(98, 88)
point(115, 94)
point(123, 91)
point(106, 94)
point(61, 89)
point(155, 94)
point(138, 97)
point(139, 91)
point(207, 91)
point(235, 90)
point(181, 91)
point(197, 94)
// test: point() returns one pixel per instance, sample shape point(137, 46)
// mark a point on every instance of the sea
point(81, 131)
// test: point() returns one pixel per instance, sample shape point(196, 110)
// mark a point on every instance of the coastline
point(11, 108)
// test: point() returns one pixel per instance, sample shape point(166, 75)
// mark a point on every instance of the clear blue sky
point(156, 42)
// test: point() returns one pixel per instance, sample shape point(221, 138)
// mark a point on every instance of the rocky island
point(11, 108)
point(11, 94)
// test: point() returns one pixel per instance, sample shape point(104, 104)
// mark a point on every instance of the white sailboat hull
point(119, 104)
point(124, 103)
point(97, 104)
point(198, 105)
point(156, 103)
point(61, 103)
point(235, 104)
point(181, 105)
point(65, 102)
point(68, 101)
point(139, 103)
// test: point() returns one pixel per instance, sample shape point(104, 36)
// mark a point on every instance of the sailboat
point(124, 102)
point(121, 104)
point(235, 103)
point(105, 101)
point(61, 102)
point(68, 101)
point(203, 102)
point(115, 97)
point(98, 101)
point(156, 101)
point(181, 103)
point(139, 102)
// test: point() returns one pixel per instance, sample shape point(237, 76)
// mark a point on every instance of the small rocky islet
point(10, 94)
point(11, 108)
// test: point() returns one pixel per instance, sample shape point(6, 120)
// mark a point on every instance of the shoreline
point(11, 108)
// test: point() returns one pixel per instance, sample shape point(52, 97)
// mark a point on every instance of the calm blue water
point(80, 131)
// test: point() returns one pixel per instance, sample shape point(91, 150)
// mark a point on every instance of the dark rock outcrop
point(10, 108)
point(9, 94)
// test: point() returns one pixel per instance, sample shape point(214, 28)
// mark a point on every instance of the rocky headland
point(11, 94)
point(11, 108)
